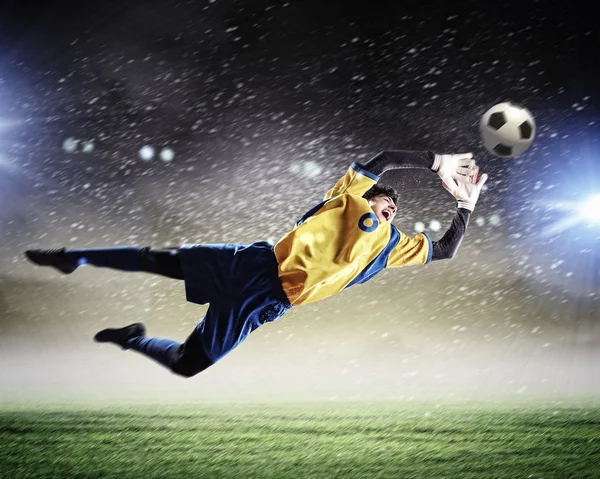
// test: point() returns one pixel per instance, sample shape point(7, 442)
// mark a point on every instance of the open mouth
point(386, 214)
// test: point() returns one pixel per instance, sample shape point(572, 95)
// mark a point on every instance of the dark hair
point(378, 189)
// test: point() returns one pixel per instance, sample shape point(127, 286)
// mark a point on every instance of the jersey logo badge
point(364, 220)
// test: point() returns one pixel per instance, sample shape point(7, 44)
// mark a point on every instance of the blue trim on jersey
point(430, 248)
point(359, 169)
point(380, 261)
point(363, 218)
point(311, 212)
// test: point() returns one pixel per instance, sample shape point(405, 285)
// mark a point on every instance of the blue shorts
point(242, 285)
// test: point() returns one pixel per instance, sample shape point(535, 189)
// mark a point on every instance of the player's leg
point(248, 293)
point(190, 358)
point(244, 292)
point(186, 359)
point(225, 326)
point(222, 330)
point(134, 337)
point(162, 261)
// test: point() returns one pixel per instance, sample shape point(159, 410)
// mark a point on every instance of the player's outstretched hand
point(467, 194)
point(456, 169)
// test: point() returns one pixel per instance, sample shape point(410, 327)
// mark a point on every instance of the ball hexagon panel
point(503, 150)
point(526, 130)
point(497, 120)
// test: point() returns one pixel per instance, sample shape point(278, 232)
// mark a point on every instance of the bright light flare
point(576, 213)
point(591, 209)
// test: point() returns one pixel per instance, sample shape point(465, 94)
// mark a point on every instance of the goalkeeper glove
point(455, 169)
point(467, 194)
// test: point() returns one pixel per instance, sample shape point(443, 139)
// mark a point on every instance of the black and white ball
point(507, 129)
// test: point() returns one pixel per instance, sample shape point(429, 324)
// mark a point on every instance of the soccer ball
point(507, 129)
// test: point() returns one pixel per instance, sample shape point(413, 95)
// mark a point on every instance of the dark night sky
point(264, 105)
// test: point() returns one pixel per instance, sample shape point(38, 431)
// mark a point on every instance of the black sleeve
point(391, 160)
point(446, 247)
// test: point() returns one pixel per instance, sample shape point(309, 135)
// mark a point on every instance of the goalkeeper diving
point(343, 241)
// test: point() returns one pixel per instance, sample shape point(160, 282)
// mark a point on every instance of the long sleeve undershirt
point(447, 246)
point(395, 159)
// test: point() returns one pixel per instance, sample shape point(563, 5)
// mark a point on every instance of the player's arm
point(447, 246)
point(360, 177)
point(467, 196)
point(396, 159)
point(421, 250)
point(453, 169)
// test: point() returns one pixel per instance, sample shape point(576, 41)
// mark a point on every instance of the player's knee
point(147, 258)
point(187, 373)
point(187, 369)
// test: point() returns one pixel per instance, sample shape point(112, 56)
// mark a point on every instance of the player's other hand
point(456, 169)
point(467, 194)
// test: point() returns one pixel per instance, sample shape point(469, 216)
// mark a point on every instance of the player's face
point(383, 207)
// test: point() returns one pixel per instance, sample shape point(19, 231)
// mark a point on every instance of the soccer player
point(344, 240)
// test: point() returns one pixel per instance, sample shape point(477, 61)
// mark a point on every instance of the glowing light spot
point(70, 145)
point(87, 146)
point(419, 227)
point(435, 225)
point(480, 221)
point(494, 220)
point(147, 153)
point(312, 169)
point(167, 154)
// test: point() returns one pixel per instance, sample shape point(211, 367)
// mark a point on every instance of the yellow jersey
point(340, 242)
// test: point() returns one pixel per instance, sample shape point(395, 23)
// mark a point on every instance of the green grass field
point(297, 441)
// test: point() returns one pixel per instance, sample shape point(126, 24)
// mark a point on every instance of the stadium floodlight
point(591, 209)
point(578, 212)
